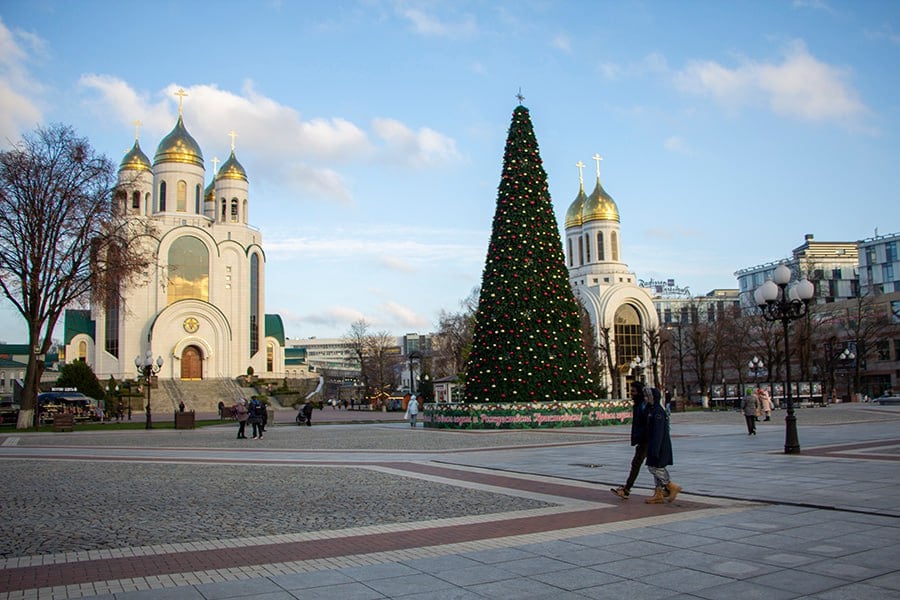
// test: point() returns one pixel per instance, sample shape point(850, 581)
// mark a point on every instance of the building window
point(628, 334)
point(82, 351)
point(188, 275)
point(835, 273)
point(667, 315)
point(162, 196)
point(587, 247)
point(833, 289)
point(883, 350)
point(234, 210)
point(600, 252)
point(224, 209)
point(571, 258)
point(580, 250)
point(887, 272)
point(890, 252)
point(197, 199)
point(181, 197)
point(270, 357)
point(254, 304)
point(614, 246)
point(111, 326)
point(135, 199)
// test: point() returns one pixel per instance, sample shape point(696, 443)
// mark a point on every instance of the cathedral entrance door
point(191, 363)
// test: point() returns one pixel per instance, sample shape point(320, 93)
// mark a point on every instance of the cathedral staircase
point(200, 396)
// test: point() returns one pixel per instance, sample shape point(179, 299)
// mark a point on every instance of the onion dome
point(135, 160)
point(179, 147)
point(232, 169)
point(573, 215)
point(600, 206)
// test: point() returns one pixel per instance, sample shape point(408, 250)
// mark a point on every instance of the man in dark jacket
point(659, 450)
point(638, 438)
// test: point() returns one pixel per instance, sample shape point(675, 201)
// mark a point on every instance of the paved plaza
point(361, 506)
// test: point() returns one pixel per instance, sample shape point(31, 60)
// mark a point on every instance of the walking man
point(638, 438)
point(659, 450)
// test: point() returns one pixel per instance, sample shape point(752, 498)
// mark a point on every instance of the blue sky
point(372, 131)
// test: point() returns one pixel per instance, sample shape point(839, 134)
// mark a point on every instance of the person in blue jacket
point(659, 451)
point(638, 438)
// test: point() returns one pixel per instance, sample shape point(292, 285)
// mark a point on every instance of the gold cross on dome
point(181, 94)
point(215, 162)
point(137, 128)
point(232, 134)
point(597, 158)
point(580, 166)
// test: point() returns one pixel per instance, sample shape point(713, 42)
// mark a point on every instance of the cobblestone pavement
point(380, 510)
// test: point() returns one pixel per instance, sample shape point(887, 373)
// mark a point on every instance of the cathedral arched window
point(254, 303)
point(181, 197)
point(244, 216)
point(197, 199)
point(580, 250)
point(629, 336)
point(234, 210)
point(188, 275)
point(571, 258)
point(162, 196)
point(121, 201)
point(224, 209)
point(587, 247)
point(601, 253)
point(614, 246)
point(270, 357)
point(136, 199)
point(82, 351)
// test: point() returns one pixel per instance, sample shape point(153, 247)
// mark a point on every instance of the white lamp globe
point(782, 274)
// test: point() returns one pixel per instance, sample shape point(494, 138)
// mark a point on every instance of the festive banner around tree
point(527, 415)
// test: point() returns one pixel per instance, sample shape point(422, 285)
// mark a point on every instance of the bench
point(184, 420)
point(63, 422)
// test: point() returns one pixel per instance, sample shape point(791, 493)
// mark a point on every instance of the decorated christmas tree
point(527, 342)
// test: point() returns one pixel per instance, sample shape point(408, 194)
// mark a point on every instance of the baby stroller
point(305, 415)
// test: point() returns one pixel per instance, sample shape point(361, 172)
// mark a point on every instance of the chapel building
point(625, 322)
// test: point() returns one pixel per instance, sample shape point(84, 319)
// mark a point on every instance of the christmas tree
point(527, 341)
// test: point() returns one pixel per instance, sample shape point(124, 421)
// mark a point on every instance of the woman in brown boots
point(659, 450)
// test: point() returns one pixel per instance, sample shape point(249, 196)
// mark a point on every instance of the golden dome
point(209, 194)
point(600, 206)
point(179, 147)
point(573, 215)
point(232, 169)
point(135, 160)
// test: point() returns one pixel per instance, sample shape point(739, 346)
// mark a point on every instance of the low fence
point(529, 415)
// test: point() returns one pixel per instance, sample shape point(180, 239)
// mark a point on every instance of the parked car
point(9, 412)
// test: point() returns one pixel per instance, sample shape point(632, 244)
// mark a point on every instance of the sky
point(372, 131)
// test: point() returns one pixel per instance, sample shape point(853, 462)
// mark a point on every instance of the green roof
point(275, 328)
point(78, 321)
point(14, 349)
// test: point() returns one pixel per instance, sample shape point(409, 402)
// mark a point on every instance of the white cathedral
point(621, 311)
point(201, 307)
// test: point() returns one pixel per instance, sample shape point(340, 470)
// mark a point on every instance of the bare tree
point(383, 356)
point(357, 340)
point(454, 336)
point(64, 240)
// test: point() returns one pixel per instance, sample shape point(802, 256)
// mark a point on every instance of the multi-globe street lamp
point(147, 369)
point(846, 359)
point(756, 367)
point(637, 364)
point(778, 303)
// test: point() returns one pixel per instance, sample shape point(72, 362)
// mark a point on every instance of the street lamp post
point(777, 303)
point(147, 369)
point(847, 357)
point(637, 364)
point(415, 355)
point(756, 367)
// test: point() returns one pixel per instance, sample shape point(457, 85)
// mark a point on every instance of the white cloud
point(562, 42)
point(275, 138)
point(427, 24)
point(422, 147)
point(800, 86)
point(676, 144)
point(402, 317)
point(19, 109)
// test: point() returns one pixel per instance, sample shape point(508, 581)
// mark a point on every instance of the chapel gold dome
point(599, 206)
point(135, 160)
point(179, 147)
point(232, 169)
point(573, 215)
